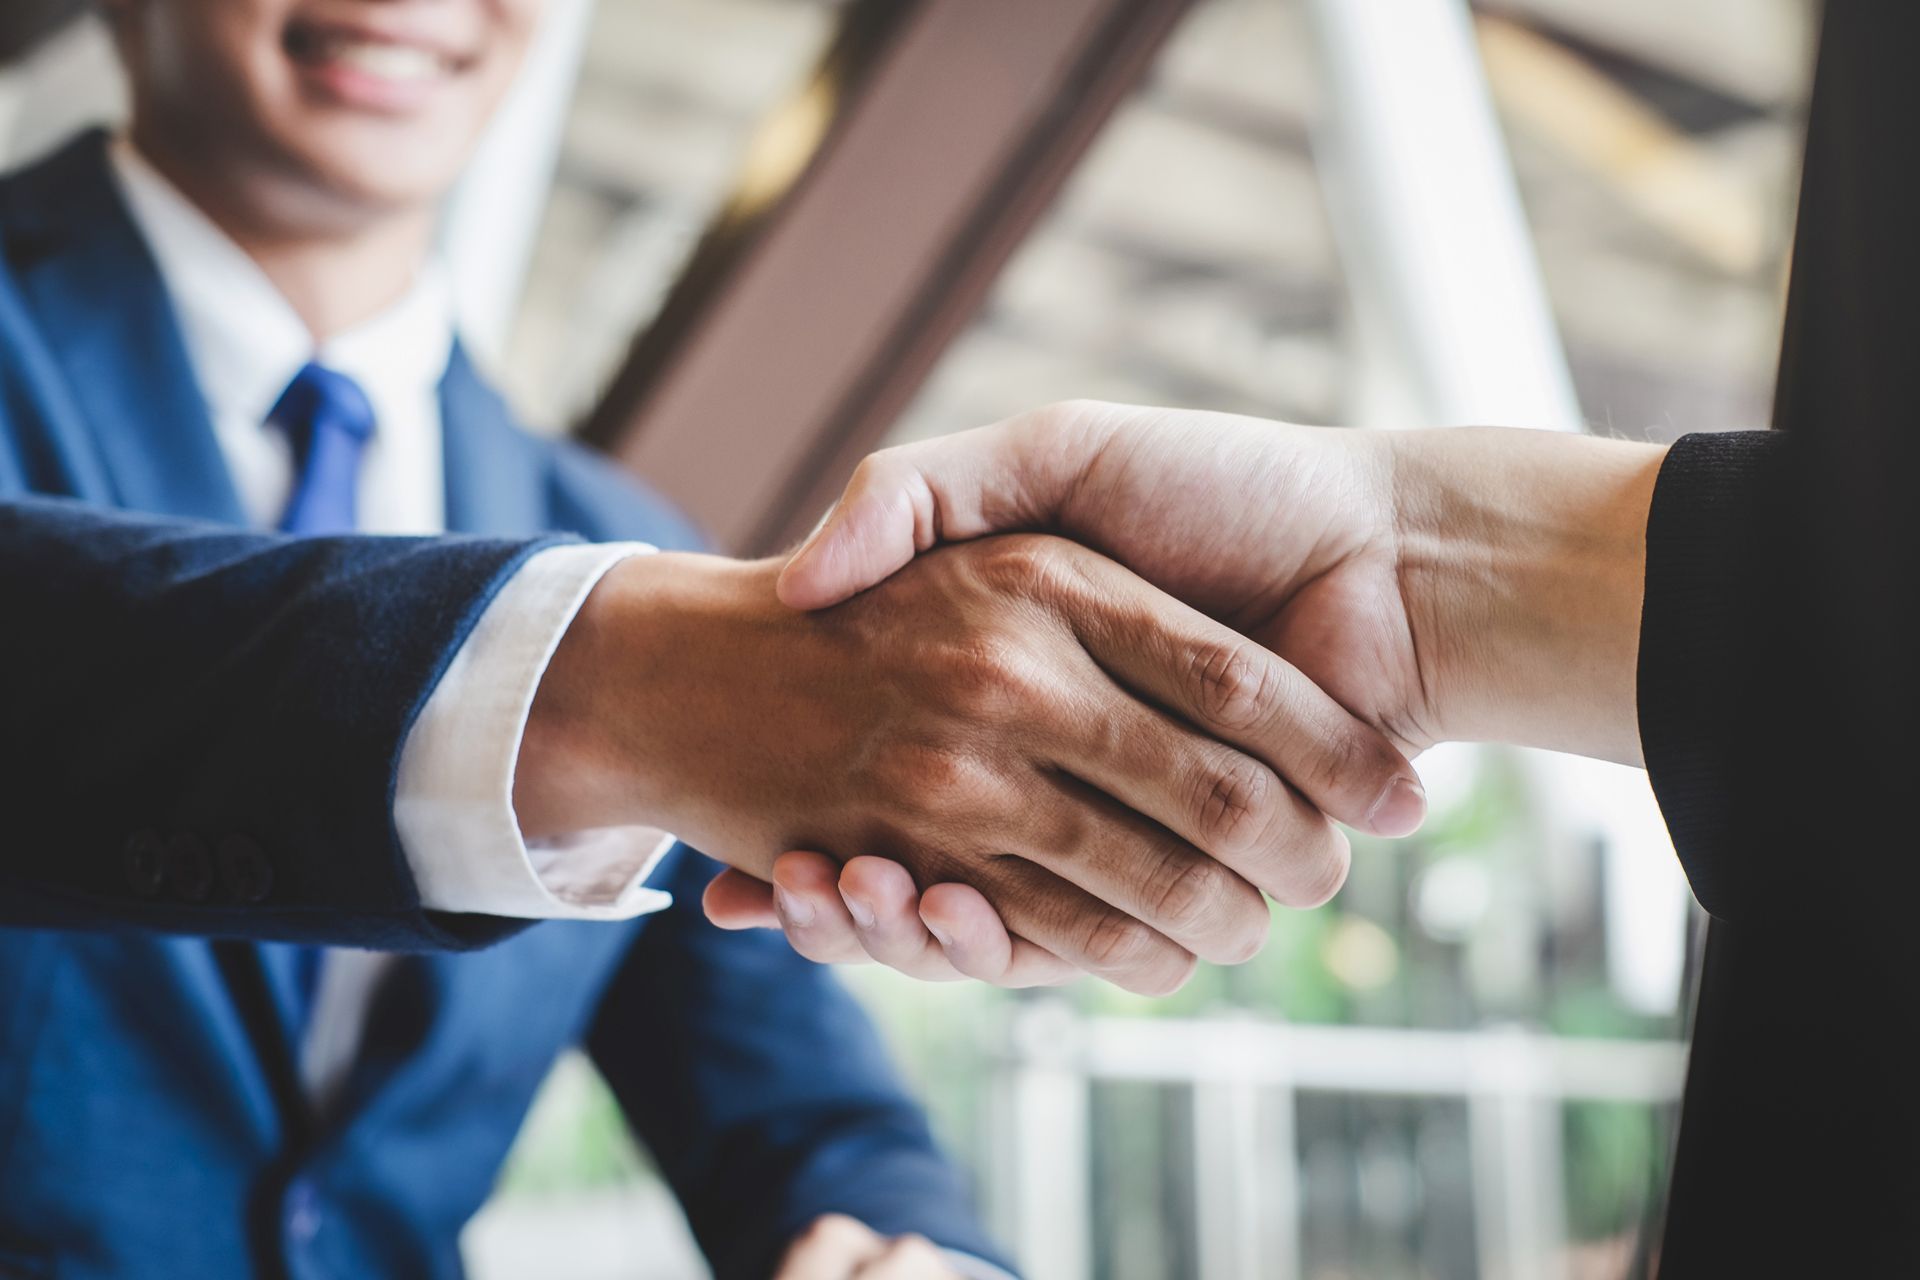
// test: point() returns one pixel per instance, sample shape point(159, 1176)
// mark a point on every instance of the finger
point(806, 895)
point(1083, 930)
point(833, 1248)
point(1104, 847)
point(884, 902)
point(736, 900)
point(886, 516)
point(1232, 689)
point(1227, 805)
point(978, 944)
point(908, 1258)
point(902, 501)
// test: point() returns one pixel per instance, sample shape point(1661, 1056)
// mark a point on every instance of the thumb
point(887, 515)
point(905, 500)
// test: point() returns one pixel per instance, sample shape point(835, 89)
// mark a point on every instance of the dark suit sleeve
point(1780, 689)
point(1715, 621)
point(202, 725)
point(764, 1093)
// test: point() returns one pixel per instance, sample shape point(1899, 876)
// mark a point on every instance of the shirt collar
point(244, 338)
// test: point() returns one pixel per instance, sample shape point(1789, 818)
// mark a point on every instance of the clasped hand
point(1182, 498)
point(1117, 775)
point(1471, 584)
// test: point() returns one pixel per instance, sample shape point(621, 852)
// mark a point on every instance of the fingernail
point(940, 935)
point(795, 911)
point(862, 913)
point(1400, 810)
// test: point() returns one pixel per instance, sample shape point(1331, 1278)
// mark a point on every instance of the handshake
point(1073, 692)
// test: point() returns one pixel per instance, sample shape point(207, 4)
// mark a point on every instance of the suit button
point(189, 868)
point(144, 862)
point(244, 870)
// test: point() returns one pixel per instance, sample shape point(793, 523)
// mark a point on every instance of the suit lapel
point(497, 476)
point(100, 298)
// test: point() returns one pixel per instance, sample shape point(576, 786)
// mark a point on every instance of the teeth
point(398, 62)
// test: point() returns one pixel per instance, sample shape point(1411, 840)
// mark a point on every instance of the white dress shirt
point(454, 801)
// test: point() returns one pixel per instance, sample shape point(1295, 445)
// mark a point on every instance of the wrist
point(1522, 562)
point(599, 740)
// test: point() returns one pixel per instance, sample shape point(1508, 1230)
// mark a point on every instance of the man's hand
point(1117, 774)
point(837, 1247)
point(1449, 584)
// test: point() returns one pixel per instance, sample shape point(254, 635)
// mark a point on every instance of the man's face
point(357, 104)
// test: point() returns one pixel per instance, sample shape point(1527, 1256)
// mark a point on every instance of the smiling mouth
point(396, 62)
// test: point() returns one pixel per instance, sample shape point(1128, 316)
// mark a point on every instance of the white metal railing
point(1512, 1081)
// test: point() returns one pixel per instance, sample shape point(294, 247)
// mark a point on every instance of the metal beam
point(872, 216)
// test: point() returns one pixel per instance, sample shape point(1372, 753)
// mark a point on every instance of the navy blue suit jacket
point(197, 755)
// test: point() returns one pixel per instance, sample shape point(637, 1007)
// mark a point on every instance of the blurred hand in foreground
point(837, 1247)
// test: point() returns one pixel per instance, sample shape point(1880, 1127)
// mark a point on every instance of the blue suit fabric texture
point(199, 746)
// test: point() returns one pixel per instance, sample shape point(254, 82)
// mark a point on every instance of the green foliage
point(575, 1138)
point(1615, 1159)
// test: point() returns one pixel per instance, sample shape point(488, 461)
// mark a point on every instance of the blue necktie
point(328, 419)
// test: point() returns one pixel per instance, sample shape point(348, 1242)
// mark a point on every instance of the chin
point(382, 168)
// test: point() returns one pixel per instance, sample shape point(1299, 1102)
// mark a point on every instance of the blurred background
point(741, 242)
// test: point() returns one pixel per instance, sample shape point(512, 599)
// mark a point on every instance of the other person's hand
point(837, 1247)
point(1448, 584)
point(1117, 774)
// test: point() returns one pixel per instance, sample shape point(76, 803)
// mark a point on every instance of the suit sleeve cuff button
point(143, 860)
point(245, 873)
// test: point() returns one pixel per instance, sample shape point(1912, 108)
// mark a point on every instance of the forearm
point(639, 695)
point(1522, 560)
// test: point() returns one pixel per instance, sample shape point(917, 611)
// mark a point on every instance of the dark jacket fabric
point(1779, 708)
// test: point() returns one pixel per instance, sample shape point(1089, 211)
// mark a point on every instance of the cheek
point(186, 56)
point(519, 18)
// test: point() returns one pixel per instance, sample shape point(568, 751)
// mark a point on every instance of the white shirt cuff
point(453, 806)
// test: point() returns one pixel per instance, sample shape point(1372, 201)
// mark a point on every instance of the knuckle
point(1067, 415)
point(932, 779)
point(915, 1248)
point(1236, 804)
point(1192, 892)
point(987, 676)
point(1029, 565)
point(1069, 831)
point(833, 1227)
point(1118, 942)
point(1013, 562)
point(1232, 686)
point(930, 771)
point(1338, 758)
point(1343, 764)
point(867, 470)
point(1223, 914)
point(878, 463)
point(1102, 729)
